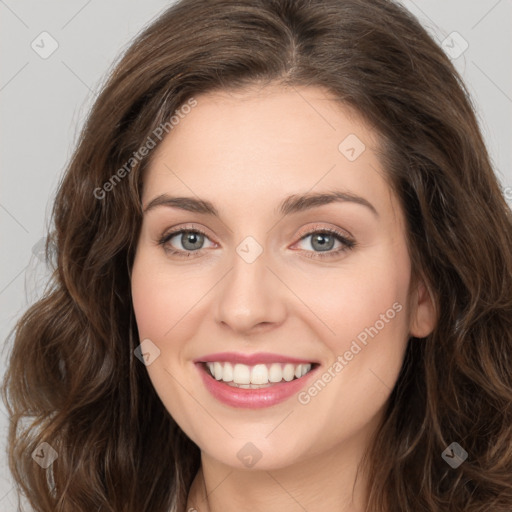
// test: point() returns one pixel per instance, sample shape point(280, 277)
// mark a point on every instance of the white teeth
point(217, 371)
point(227, 372)
point(275, 373)
point(261, 374)
point(241, 374)
point(288, 372)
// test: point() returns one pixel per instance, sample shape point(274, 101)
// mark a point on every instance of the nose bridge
point(250, 294)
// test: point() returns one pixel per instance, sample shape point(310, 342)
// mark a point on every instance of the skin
point(245, 152)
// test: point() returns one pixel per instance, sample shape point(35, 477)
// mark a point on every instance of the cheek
point(150, 303)
point(160, 302)
point(342, 302)
point(366, 307)
point(161, 298)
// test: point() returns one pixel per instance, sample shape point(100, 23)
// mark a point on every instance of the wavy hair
point(72, 378)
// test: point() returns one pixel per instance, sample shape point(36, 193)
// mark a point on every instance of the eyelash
point(348, 244)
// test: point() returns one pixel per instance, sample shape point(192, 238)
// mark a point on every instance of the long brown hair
point(73, 380)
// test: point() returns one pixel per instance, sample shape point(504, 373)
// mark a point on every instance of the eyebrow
point(292, 204)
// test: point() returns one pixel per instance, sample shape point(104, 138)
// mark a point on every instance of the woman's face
point(300, 261)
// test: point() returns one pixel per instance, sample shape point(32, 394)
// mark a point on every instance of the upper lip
point(251, 359)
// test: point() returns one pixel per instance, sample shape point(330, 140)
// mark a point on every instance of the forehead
point(256, 145)
point(273, 118)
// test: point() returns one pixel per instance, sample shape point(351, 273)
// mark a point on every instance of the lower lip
point(252, 398)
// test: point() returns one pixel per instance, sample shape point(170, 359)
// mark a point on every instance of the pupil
point(323, 240)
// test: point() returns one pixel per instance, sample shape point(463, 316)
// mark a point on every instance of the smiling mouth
point(256, 376)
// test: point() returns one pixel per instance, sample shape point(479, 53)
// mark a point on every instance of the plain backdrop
point(45, 99)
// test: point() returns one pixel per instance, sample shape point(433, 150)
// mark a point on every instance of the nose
point(250, 298)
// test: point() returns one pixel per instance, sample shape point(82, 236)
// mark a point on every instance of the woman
point(283, 278)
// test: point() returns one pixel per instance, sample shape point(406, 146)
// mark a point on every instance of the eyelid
point(174, 230)
point(313, 228)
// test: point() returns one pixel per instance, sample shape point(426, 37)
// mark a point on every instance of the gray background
point(44, 102)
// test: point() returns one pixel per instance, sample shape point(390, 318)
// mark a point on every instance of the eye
point(184, 242)
point(320, 243)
